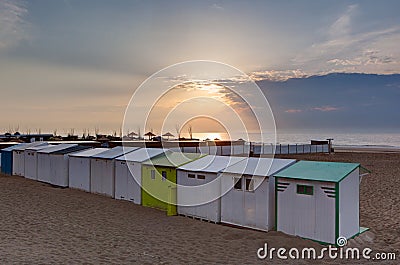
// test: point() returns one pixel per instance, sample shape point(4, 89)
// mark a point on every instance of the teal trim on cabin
point(318, 171)
point(361, 230)
point(276, 204)
point(367, 170)
point(337, 219)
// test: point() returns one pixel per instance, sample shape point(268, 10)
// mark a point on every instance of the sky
point(75, 64)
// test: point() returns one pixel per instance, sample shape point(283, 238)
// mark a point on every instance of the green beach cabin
point(159, 180)
point(318, 200)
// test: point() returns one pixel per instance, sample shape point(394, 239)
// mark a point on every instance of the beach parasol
point(150, 134)
point(132, 134)
point(168, 134)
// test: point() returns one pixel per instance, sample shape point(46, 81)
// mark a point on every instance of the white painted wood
point(198, 197)
point(121, 180)
point(128, 173)
point(31, 161)
point(325, 212)
point(314, 216)
point(349, 192)
point(43, 170)
point(247, 208)
point(18, 162)
point(79, 168)
point(19, 157)
point(251, 208)
point(102, 170)
point(59, 170)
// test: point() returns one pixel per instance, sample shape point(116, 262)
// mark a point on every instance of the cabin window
point(153, 174)
point(305, 189)
point(191, 176)
point(201, 177)
point(163, 175)
point(237, 183)
point(249, 184)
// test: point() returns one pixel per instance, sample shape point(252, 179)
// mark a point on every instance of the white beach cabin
point(128, 173)
point(7, 158)
point(79, 168)
point(46, 168)
point(59, 164)
point(318, 200)
point(199, 188)
point(102, 170)
point(19, 157)
point(248, 192)
point(31, 161)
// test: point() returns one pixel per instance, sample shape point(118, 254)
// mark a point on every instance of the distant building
point(27, 138)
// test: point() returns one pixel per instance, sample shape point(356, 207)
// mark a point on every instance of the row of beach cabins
point(314, 200)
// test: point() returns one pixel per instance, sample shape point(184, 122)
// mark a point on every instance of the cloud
point(13, 24)
point(278, 75)
point(344, 62)
point(325, 108)
point(321, 108)
point(342, 26)
point(212, 90)
point(375, 57)
point(349, 47)
point(293, 111)
point(216, 7)
point(368, 57)
point(343, 48)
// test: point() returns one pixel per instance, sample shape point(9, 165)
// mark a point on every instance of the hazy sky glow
point(74, 64)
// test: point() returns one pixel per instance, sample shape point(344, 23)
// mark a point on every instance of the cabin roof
point(173, 159)
point(211, 163)
point(89, 153)
point(39, 147)
point(21, 146)
point(318, 171)
point(25, 146)
point(255, 166)
point(115, 152)
point(56, 148)
point(72, 149)
point(142, 154)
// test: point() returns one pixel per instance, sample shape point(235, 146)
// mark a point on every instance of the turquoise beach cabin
point(318, 200)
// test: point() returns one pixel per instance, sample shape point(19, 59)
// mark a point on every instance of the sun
point(213, 136)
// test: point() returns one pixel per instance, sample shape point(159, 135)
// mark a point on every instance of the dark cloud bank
point(336, 101)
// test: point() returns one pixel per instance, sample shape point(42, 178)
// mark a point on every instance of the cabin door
point(171, 207)
point(325, 212)
point(305, 213)
point(170, 174)
point(121, 175)
point(133, 188)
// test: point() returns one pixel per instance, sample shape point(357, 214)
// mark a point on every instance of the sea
point(340, 139)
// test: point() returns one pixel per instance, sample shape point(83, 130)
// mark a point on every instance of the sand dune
point(42, 224)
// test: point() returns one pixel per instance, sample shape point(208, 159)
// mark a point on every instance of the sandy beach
point(43, 224)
